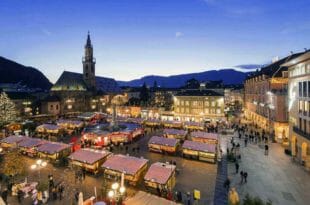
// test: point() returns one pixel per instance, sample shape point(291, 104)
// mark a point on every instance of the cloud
point(179, 34)
point(46, 32)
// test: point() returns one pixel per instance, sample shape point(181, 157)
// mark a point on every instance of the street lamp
point(38, 165)
point(116, 193)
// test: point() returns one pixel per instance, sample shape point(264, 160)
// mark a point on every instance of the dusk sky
point(133, 38)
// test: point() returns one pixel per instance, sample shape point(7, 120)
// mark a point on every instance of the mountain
point(229, 76)
point(12, 72)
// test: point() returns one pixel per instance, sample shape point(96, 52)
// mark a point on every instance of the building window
point(300, 89)
point(304, 86)
point(218, 111)
point(51, 107)
point(187, 103)
point(207, 110)
point(207, 104)
point(69, 107)
point(56, 107)
point(213, 104)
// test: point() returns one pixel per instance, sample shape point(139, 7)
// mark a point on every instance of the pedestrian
point(19, 195)
point(227, 184)
point(4, 195)
point(179, 196)
point(237, 167)
point(76, 196)
point(233, 197)
point(54, 192)
point(266, 149)
point(60, 190)
point(158, 191)
point(245, 175)
point(84, 173)
point(242, 177)
point(126, 148)
point(245, 141)
point(188, 194)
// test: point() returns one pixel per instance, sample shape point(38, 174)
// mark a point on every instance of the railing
point(301, 132)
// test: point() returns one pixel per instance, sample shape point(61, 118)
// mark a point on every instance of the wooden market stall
point(54, 150)
point(131, 132)
point(173, 124)
point(29, 146)
point(49, 130)
point(199, 150)
point(70, 125)
point(144, 198)
point(175, 133)
point(163, 145)
point(132, 167)
point(194, 126)
point(160, 175)
point(152, 123)
point(205, 137)
point(12, 141)
point(89, 159)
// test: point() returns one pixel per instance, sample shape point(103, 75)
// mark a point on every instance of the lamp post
point(116, 193)
point(38, 165)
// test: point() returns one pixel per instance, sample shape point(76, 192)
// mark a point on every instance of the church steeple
point(89, 65)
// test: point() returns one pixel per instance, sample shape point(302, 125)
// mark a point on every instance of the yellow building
point(299, 107)
point(199, 105)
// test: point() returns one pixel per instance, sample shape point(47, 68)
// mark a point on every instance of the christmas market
point(70, 125)
point(160, 175)
point(50, 131)
point(132, 167)
point(12, 141)
point(29, 146)
point(152, 122)
point(89, 159)
point(199, 150)
point(189, 125)
point(173, 124)
point(163, 145)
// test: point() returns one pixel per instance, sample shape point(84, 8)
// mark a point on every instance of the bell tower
point(89, 62)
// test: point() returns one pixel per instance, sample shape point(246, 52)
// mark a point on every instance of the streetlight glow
point(44, 164)
point(111, 194)
point(115, 186)
point(39, 161)
point(34, 166)
point(122, 190)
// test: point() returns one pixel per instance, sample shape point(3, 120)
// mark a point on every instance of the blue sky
point(133, 38)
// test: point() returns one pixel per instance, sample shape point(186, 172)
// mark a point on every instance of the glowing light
point(122, 190)
point(39, 162)
point(115, 186)
point(111, 194)
point(34, 166)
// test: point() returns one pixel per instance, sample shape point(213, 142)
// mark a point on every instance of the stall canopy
point(159, 172)
point(174, 132)
point(13, 139)
point(123, 163)
point(205, 135)
point(89, 156)
point(70, 123)
point(48, 128)
point(163, 141)
point(199, 146)
point(53, 147)
point(194, 125)
point(31, 142)
point(143, 198)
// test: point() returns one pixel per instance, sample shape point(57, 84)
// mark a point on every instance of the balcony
point(301, 133)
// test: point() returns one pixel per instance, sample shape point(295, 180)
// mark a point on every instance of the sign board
point(196, 194)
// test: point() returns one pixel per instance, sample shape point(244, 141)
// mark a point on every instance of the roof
point(199, 146)
point(174, 132)
point(51, 98)
point(143, 198)
point(197, 92)
point(13, 139)
point(163, 141)
point(123, 163)
point(70, 81)
point(275, 69)
point(159, 172)
point(49, 126)
point(52, 147)
point(299, 59)
point(73, 122)
point(205, 135)
point(31, 142)
point(89, 156)
point(196, 124)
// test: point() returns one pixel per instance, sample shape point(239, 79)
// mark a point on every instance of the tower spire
point(88, 42)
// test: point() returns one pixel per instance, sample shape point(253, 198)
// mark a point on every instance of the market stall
point(199, 150)
point(160, 175)
point(175, 134)
point(152, 123)
point(205, 137)
point(163, 145)
point(173, 124)
point(89, 159)
point(12, 141)
point(54, 150)
point(129, 133)
point(49, 130)
point(132, 167)
point(70, 125)
point(144, 198)
point(29, 146)
point(194, 126)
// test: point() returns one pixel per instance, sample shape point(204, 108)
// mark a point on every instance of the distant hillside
point(229, 76)
point(12, 72)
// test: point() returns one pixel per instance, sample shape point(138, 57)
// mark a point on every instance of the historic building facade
point(266, 98)
point(81, 92)
point(198, 105)
point(299, 107)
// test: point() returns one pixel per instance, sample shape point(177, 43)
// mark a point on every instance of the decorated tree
point(7, 109)
point(13, 165)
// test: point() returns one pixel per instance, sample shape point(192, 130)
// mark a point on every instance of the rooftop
point(159, 172)
point(205, 135)
point(163, 141)
point(89, 156)
point(52, 147)
point(14, 139)
point(199, 146)
point(197, 92)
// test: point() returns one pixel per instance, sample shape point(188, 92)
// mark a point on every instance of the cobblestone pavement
point(193, 175)
point(274, 177)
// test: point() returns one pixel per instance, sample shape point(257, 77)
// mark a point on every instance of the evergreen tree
point(13, 165)
point(7, 109)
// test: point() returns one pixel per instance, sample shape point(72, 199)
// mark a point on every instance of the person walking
point(4, 196)
point(233, 197)
point(245, 141)
point(19, 195)
point(242, 177)
point(227, 184)
point(237, 167)
point(266, 149)
point(245, 176)
point(60, 190)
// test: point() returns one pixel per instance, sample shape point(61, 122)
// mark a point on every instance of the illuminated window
point(213, 104)
point(207, 110)
point(69, 107)
point(218, 111)
point(207, 104)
